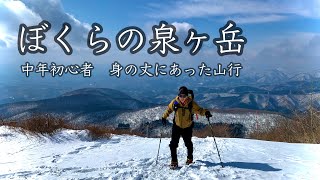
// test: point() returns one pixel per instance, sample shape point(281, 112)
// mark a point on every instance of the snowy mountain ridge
point(250, 120)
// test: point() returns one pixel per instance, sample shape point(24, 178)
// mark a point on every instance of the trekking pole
point(215, 142)
point(159, 146)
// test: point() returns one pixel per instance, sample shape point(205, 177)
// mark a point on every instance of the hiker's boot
point(189, 161)
point(173, 150)
point(173, 165)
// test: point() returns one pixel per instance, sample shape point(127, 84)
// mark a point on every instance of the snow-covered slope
point(251, 120)
point(71, 154)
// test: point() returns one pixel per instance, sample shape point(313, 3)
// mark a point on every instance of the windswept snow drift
point(71, 154)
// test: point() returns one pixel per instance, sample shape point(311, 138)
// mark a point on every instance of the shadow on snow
point(243, 165)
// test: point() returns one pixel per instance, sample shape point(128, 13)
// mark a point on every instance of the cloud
point(7, 39)
point(182, 27)
point(246, 11)
point(258, 18)
point(53, 12)
point(18, 11)
point(299, 52)
point(11, 13)
point(32, 12)
point(3, 43)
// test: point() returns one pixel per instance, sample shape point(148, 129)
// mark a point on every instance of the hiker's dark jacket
point(183, 117)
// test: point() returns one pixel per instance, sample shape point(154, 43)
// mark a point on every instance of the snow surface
point(71, 154)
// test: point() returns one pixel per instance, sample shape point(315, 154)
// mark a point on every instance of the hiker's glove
point(164, 121)
point(208, 114)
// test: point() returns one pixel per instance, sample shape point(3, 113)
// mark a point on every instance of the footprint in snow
point(76, 151)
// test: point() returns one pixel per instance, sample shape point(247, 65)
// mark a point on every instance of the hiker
point(184, 107)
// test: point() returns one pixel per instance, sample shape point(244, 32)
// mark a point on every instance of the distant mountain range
point(112, 107)
point(85, 105)
point(138, 103)
point(145, 88)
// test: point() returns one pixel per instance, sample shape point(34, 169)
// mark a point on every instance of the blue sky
point(258, 26)
point(281, 34)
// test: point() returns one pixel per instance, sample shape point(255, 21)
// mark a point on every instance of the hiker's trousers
point(186, 134)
